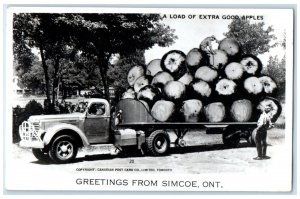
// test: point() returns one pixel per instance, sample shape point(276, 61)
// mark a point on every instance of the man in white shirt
point(263, 124)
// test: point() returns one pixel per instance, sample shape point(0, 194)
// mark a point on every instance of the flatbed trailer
point(141, 120)
point(232, 132)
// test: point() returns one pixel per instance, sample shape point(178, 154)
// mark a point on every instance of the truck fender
point(51, 132)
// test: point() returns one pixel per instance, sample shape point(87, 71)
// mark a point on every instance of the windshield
point(80, 107)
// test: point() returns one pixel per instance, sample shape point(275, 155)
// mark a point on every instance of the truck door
point(97, 121)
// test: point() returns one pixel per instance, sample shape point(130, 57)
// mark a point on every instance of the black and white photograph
point(144, 99)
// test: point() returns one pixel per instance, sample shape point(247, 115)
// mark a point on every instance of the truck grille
point(36, 126)
point(29, 131)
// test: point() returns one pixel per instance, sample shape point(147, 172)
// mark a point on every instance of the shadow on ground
point(135, 153)
point(183, 150)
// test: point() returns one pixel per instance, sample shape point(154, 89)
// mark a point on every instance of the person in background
point(97, 109)
point(206, 46)
point(62, 106)
point(47, 107)
point(56, 107)
point(69, 107)
point(263, 124)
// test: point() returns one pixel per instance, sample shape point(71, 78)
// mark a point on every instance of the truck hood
point(70, 116)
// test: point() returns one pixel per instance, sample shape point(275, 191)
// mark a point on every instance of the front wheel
point(41, 155)
point(158, 143)
point(63, 149)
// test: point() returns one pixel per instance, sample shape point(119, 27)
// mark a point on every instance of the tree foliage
point(30, 76)
point(283, 42)
point(45, 33)
point(276, 70)
point(95, 37)
point(79, 73)
point(254, 37)
point(120, 70)
point(102, 35)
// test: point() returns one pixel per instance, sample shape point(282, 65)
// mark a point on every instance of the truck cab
point(59, 136)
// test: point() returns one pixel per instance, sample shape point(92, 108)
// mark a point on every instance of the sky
point(191, 32)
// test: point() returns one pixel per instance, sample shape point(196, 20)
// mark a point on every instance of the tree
point(283, 42)
point(117, 73)
point(33, 78)
point(27, 33)
point(276, 70)
point(102, 35)
point(254, 37)
point(23, 59)
point(60, 37)
point(79, 73)
point(47, 34)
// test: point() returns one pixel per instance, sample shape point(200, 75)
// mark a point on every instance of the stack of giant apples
point(223, 86)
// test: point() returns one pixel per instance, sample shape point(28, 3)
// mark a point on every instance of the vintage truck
point(128, 124)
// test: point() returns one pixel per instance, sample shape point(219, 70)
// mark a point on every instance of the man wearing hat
point(263, 124)
point(206, 46)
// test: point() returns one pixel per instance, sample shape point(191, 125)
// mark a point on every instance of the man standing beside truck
point(263, 124)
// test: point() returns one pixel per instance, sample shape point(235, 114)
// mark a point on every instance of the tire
point(63, 149)
point(231, 137)
point(41, 155)
point(158, 143)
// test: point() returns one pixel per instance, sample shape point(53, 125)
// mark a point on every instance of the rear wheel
point(63, 149)
point(41, 155)
point(158, 143)
point(231, 137)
